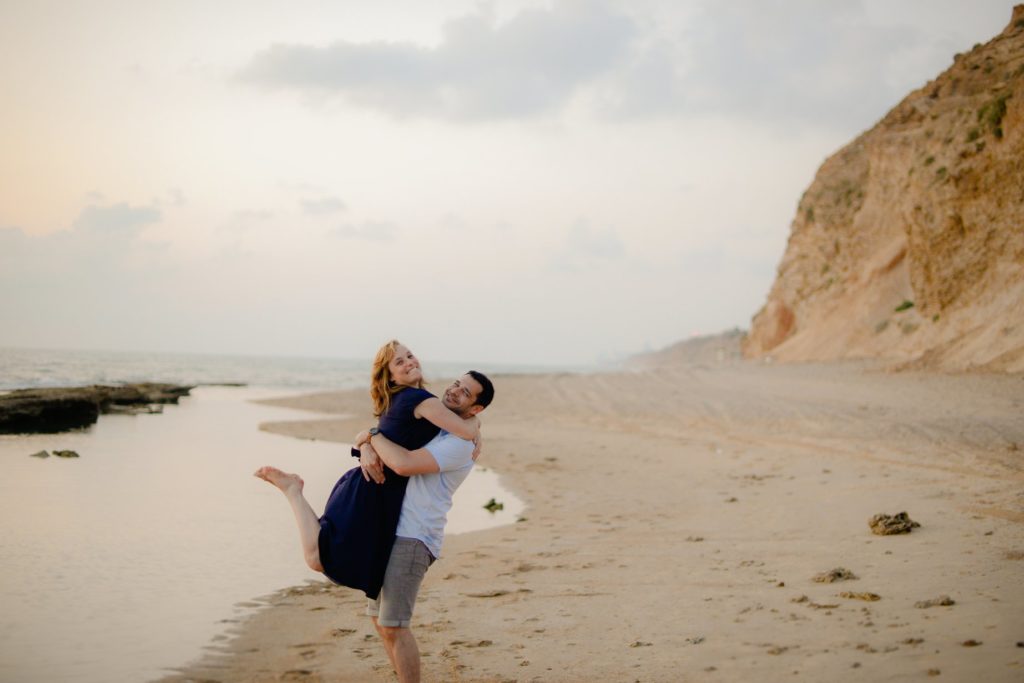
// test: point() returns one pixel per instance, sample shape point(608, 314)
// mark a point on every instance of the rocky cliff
point(909, 243)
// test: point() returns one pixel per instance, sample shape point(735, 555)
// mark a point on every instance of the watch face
point(374, 431)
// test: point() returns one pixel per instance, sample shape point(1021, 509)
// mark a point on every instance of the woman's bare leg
point(309, 525)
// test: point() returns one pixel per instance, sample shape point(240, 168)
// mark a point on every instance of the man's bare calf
point(309, 524)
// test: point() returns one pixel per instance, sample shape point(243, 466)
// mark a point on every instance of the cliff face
point(909, 244)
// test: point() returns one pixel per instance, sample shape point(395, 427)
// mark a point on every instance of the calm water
point(21, 368)
point(128, 560)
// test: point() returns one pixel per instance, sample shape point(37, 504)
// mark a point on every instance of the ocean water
point(22, 368)
point(126, 562)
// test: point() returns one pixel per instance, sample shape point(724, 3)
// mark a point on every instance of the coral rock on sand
point(65, 454)
point(869, 597)
point(885, 525)
point(833, 575)
point(941, 601)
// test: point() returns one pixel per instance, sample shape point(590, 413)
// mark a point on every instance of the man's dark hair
point(486, 388)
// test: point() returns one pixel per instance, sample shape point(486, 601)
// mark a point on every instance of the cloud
point(527, 66)
point(176, 197)
point(588, 247)
point(250, 215)
point(116, 220)
point(96, 253)
point(322, 206)
point(374, 231)
point(798, 62)
point(793, 63)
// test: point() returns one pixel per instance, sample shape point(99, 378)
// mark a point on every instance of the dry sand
point(676, 521)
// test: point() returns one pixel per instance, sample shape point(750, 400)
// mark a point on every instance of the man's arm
point(401, 460)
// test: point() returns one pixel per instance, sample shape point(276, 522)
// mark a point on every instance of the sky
point(557, 182)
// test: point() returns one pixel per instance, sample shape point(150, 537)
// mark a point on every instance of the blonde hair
point(381, 386)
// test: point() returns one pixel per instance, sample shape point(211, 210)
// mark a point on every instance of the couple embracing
point(383, 523)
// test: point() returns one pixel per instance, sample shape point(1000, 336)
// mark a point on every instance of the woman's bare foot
point(282, 480)
point(309, 524)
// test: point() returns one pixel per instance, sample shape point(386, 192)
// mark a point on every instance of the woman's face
point(405, 367)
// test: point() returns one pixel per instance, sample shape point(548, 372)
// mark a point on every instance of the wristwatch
point(374, 431)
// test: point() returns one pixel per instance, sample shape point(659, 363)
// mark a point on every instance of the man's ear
point(474, 410)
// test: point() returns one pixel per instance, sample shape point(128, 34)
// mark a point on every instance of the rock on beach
point(52, 410)
point(886, 525)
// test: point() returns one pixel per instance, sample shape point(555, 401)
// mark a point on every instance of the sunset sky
point(524, 182)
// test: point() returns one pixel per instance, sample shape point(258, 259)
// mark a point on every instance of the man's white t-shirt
point(428, 497)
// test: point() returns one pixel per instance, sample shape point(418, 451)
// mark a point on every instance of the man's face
point(460, 397)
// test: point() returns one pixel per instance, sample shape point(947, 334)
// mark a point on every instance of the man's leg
point(392, 611)
point(309, 524)
point(404, 652)
point(387, 644)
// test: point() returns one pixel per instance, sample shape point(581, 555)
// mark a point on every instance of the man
point(434, 472)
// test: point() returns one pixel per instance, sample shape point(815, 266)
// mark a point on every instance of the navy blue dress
point(357, 529)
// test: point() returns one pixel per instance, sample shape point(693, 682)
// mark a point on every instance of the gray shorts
point(406, 568)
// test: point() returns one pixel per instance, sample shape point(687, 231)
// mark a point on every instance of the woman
point(351, 542)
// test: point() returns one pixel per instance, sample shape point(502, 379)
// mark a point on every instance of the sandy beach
point(676, 520)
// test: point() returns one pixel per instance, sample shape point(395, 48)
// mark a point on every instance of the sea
point(141, 554)
point(28, 368)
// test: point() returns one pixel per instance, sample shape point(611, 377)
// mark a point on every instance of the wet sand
point(676, 520)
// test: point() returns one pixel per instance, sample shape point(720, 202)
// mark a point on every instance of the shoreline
point(675, 519)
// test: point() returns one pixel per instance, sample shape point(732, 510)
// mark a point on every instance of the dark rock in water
point(47, 411)
point(885, 525)
point(66, 454)
point(41, 454)
point(118, 409)
point(138, 394)
point(30, 412)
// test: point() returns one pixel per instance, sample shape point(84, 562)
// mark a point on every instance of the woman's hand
point(371, 464)
point(478, 443)
point(362, 437)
